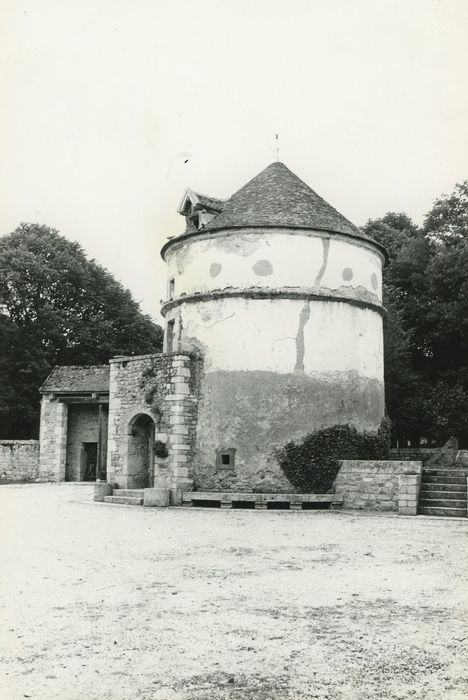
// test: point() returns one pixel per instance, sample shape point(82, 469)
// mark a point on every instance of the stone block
point(182, 372)
point(176, 495)
point(101, 490)
point(181, 388)
point(407, 510)
point(156, 497)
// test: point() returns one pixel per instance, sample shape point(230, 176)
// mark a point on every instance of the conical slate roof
point(277, 197)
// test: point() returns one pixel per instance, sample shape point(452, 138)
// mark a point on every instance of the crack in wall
point(300, 348)
point(321, 272)
point(219, 320)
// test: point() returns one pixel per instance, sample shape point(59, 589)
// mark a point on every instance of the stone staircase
point(444, 488)
point(126, 497)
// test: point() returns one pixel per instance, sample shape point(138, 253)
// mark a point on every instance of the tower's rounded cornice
point(271, 294)
point(290, 230)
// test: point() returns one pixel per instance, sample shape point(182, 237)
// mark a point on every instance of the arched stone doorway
point(140, 458)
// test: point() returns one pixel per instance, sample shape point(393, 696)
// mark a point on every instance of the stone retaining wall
point(372, 485)
point(413, 454)
point(19, 460)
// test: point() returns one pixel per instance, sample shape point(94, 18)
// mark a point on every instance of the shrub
point(160, 449)
point(312, 464)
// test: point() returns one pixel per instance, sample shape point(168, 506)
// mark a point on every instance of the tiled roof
point(73, 379)
point(212, 203)
point(277, 197)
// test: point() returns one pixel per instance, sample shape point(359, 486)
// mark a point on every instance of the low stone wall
point(19, 460)
point(372, 485)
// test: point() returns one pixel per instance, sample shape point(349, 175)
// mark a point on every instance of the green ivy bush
point(160, 449)
point(312, 464)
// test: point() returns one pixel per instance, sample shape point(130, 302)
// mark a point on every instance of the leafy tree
point(426, 330)
point(447, 222)
point(57, 307)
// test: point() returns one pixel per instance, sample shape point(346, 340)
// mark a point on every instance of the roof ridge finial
point(277, 147)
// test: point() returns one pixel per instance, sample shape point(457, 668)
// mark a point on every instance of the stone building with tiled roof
point(273, 329)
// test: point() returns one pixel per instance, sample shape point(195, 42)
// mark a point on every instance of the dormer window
point(198, 209)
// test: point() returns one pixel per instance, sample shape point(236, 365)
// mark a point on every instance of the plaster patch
point(321, 272)
point(215, 269)
point(239, 245)
point(263, 268)
point(346, 292)
point(300, 348)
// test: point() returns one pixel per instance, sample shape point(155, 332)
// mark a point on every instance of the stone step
point(448, 512)
point(455, 471)
point(443, 503)
point(131, 493)
point(124, 500)
point(441, 494)
point(427, 479)
point(434, 486)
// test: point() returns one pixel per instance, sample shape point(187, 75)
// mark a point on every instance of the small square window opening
point(225, 458)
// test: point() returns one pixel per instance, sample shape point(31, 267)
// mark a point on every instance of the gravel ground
point(118, 602)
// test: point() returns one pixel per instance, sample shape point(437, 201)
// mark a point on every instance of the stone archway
point(140, 458)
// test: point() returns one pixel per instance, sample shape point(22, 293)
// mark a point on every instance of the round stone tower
point(281, 297)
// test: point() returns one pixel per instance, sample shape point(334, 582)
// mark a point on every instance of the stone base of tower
point(244, 415)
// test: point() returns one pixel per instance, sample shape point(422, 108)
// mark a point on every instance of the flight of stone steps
point(444, 488)
point(126, 497)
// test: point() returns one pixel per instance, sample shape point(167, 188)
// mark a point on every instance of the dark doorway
point(89, 461)
point(140, 460)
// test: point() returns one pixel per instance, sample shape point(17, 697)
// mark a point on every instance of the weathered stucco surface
point(273, 334)
point(289, 325)
point(256, 411)
point(296, 259)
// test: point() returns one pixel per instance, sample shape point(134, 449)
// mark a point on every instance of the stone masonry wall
point(372, 485)
point(83, 426)
point(413, 454)
point(52, 439)
point(19, 460)
point(164, 387)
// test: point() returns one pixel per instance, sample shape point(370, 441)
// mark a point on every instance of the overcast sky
point(111, 108)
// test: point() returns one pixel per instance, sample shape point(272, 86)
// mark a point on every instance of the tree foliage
point(426, 329)
point(57, 307)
